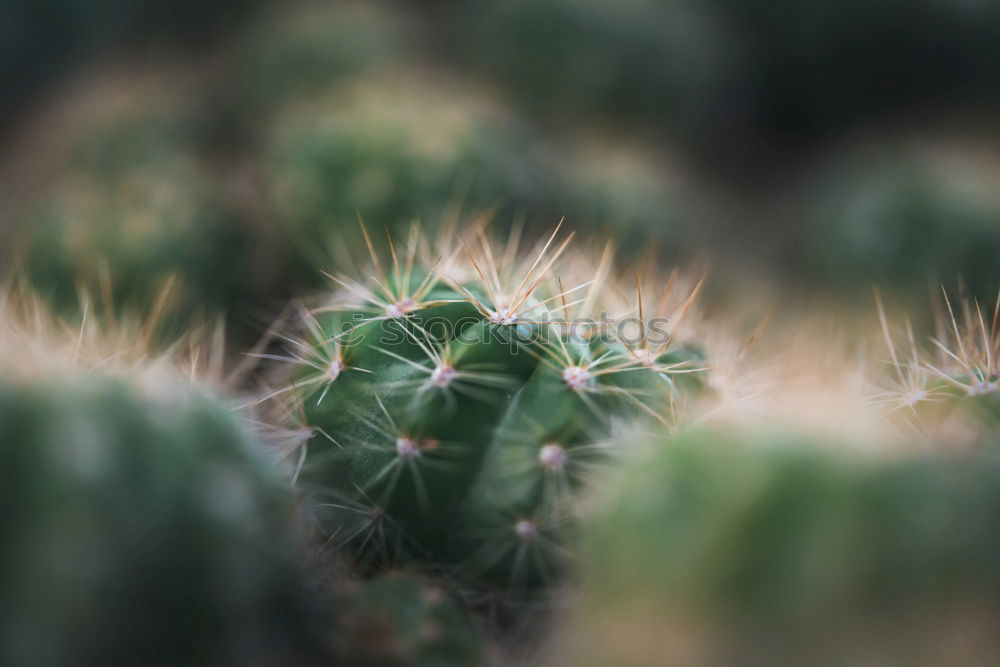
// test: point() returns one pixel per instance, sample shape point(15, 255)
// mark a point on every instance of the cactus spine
point(962, 377)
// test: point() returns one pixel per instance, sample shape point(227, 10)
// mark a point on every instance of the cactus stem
point(494, 521)
point(443, 373)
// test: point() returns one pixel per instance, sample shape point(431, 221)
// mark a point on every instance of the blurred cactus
point(719, 548)
point(637, 57)
point(626, 193)
point(143, 523)
point(127, 203)
point(140, 530)
point(743, 79)
point(395, 152)
point(445, 417)
point(397, 620)
point(906, 223)
point(960, 375)
point(299, 51)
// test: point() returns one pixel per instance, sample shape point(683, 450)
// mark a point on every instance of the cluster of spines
point(963, 371)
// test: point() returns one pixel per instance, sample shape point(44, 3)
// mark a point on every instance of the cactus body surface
point(141, 530)
point(398, 619)
point(719, 548)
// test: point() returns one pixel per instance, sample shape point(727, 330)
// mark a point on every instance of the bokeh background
point(808, 150)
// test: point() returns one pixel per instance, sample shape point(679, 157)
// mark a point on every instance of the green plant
point(295, 52)
point(960, 376)
point(144, 522)
point(420, 146)
point(141, 528)
point(395, 151)
point(902, 222)
point(447, 410)
point(398, 619)
point(126, 202)
point(770, 549)
point(638, 58)
point(744, 79)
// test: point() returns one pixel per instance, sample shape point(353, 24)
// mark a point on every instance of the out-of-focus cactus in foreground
point(722, 548)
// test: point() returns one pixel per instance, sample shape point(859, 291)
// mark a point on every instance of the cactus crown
point(449, 407)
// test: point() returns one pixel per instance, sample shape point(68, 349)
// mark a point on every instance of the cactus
point(191, 537)
point(141, 529)
point(903, 220)
point(393, 150)
point(765, 549)
point(143, 522)
point(296, 52)
point(732, 77)
point(366, 150)
point(969, 363)
point(961, 377)
point(512, 41)
point(126, 202)
point(445, 418)
point(398, 619)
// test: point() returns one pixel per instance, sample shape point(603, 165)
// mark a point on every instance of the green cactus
point(398, 619)
point(732, 77)
point(141, 528)
point(444, 421)
point(969, 360)
point(903, 221)
point(961, 378)
point(395, 149)
point(295, 52)
point(722, 549)
point(127, 202)
point(589, 56)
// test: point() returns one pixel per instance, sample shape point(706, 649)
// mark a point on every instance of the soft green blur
point(725, 548)
point(141, 531)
